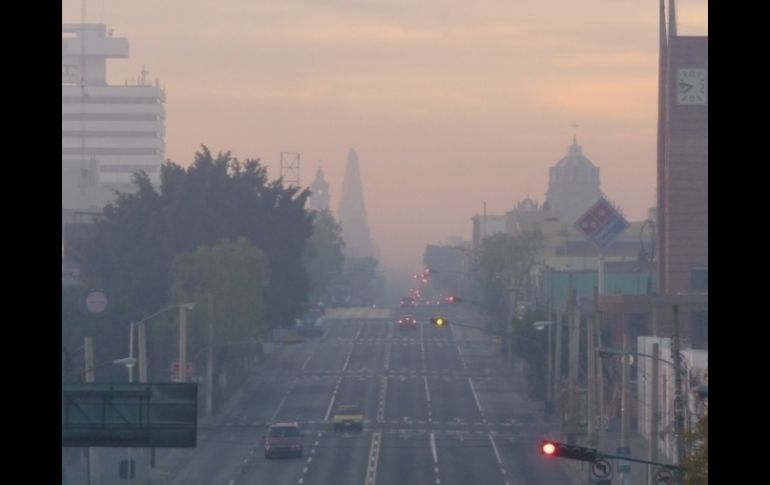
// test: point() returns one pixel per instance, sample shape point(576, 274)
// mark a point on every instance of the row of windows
point(110, 117)
point(639, 323)
point(111, 134)
point(111, 151)
point(109, 100)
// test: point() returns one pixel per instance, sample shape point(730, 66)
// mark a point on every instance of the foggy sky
point(448, 103)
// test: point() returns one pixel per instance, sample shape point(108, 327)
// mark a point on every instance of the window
point(637, 326)
point(700, 324)
point(699, 279)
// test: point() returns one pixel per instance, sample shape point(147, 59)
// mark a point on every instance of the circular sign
point(96, 301)
point(601, 468)
point(664, 477)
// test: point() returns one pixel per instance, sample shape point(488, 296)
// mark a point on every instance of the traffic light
point(439, 321)
point(563, 450)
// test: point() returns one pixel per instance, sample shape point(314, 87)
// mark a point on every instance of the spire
point(352, 213)
point(672, 18)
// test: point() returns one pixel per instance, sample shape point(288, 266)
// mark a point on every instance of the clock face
point(691, 86)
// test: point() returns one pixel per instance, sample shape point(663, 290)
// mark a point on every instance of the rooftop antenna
point(574, 133)
point(144, 72)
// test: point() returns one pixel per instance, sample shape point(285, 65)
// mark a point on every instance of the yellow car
point(348, 416)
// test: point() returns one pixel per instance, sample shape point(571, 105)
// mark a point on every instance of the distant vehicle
point(348, 416)
point(283, 439)
point(339, 296)
point(310, 324)
point(407, 321)
point(293, 338)
point(407, 302)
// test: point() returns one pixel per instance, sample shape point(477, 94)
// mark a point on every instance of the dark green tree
point(323, 256)
point(215, 198)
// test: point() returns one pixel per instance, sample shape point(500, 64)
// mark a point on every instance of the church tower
point(573, 184)
point(319, 198)
point(682, 160)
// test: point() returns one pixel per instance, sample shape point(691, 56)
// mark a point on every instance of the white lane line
point(476, 398)
point(497, 454)
point(280, 405)
point(329, 409)
point(306, 361)
point(316, 443)
point(301, 479)
point(304, 470)
point(433, 449)
point(232, 482)
point(374, 456)
point(345, 367)
point(309, 459)
point(360, 327)
point(427, 390)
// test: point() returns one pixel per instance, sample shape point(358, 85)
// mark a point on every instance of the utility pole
point(88, 354)
point(210, 359)
point(652, 448)
point(624, 408)
point(182, 343)
point(590, 374)
point(574, 350)
point(678, 400)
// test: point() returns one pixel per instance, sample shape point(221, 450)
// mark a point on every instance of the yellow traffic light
point(439, 321)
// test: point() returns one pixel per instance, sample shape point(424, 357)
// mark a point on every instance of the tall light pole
point(540, 325)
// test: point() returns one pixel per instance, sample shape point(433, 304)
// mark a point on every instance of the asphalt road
point(440, 408)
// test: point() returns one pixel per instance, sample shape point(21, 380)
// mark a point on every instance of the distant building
point(352, 213)
point(108, 131)
point(319, 197)
point(573, 184)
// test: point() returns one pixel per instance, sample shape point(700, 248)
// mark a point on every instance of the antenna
point(290, 164)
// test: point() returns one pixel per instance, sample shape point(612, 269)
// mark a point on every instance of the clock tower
point(683, 160)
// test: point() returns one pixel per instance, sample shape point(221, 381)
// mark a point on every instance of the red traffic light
point(563, 450)
point(547, 448)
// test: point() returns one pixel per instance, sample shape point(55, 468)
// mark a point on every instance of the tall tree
point(215, 198)
point(506, 262)
point(323, 255)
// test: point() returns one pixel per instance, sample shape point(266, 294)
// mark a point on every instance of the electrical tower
point(290, 168)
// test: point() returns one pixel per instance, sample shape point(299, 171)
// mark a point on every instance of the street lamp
point(540, 325)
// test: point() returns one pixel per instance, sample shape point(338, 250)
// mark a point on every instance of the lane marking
point(497, 454)
point(329, 409)
point(433, 449)
point(280, 405)
point(345, 367)
point(306, 361)
point(427, 390)
point(476, 398)
point(374, 456)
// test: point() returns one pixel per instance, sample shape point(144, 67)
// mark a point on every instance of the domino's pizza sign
point(602, 224)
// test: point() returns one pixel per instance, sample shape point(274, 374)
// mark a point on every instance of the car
point(406, 321)
point(283, 439)
point(348, 416)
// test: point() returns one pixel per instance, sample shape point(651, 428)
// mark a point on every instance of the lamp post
point(540, 325)
point(129, 362)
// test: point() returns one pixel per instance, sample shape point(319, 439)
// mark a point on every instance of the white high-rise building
point(109, 132)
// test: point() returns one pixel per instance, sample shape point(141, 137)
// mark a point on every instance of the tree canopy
point(323, 255)
point(214, 199)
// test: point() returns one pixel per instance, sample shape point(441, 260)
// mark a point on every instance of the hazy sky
point(449, 103)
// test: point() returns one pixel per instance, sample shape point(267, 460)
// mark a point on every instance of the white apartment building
point(109, 132)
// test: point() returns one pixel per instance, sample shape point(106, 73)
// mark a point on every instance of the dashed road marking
point(374, 456)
